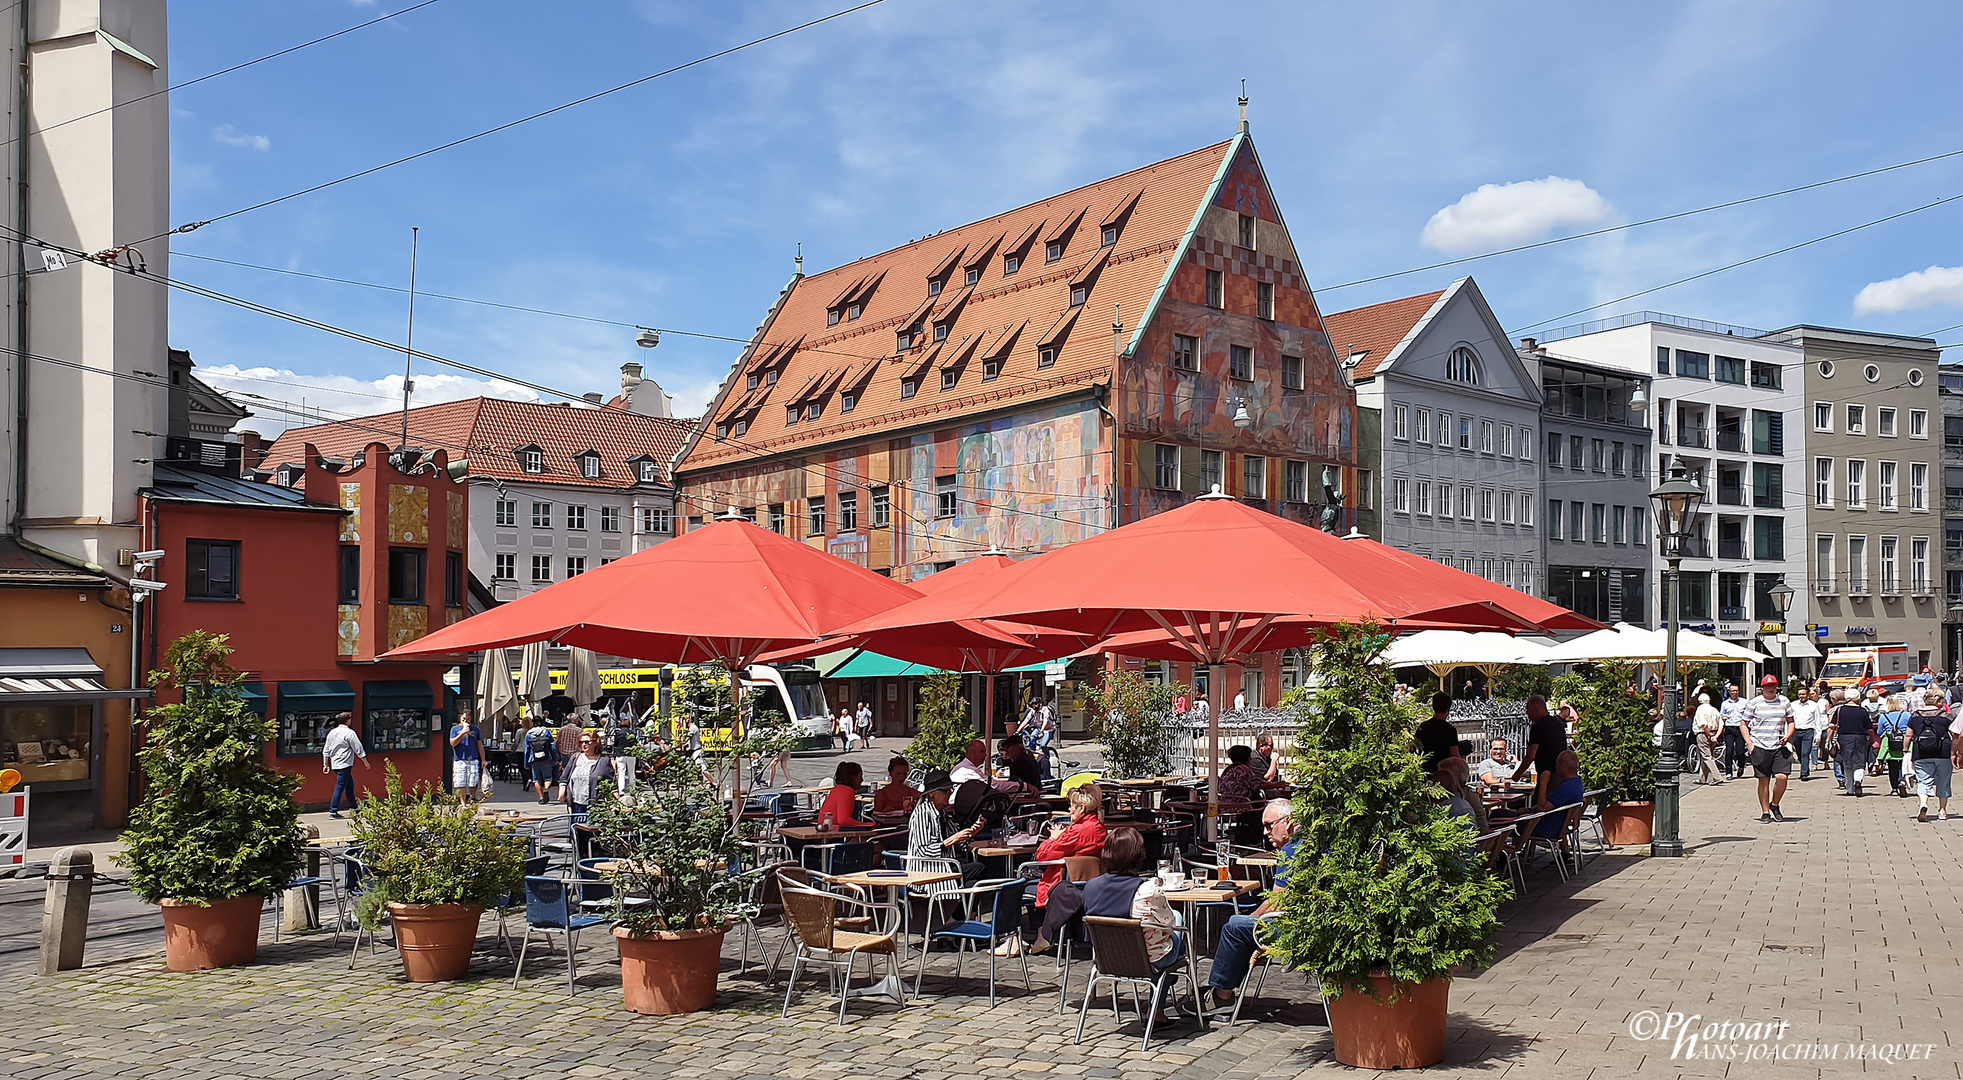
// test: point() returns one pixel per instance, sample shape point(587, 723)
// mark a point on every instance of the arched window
point(1463, 365)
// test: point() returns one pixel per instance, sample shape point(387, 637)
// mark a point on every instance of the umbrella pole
point(1216, 675)
point(735, 758)
point(988, 717)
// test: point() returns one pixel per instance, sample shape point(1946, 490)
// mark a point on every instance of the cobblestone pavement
point(1833, 922)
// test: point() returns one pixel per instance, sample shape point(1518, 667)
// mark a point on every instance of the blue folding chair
point(535, 865)
point(1005, 919)
point(549, 910)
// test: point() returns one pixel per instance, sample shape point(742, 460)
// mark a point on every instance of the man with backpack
point(542, 757)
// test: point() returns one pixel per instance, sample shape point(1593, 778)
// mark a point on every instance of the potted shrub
point(436, 865)
point(674, 847)
point(217, 830)
point(1615, 737)
point(1385, 894)
point(1130, 715)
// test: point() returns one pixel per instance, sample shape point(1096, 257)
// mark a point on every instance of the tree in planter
point(1615, 736)
point(674, 843)
point(945, 729)
point(427, 846)
point(215, 821)
point(1129, 715)
point(1384, 878)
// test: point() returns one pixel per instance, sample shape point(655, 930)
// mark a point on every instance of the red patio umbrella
point(985, 646)
point(1216, 574)
point(727, 592)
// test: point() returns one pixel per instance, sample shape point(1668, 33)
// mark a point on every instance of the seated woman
point(898, 796)
point(1056, 898)
point(842, 802)
point(1239, 782)
point(1456, 778)
point(1119, 893)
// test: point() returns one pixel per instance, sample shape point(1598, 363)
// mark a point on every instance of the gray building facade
point(1596, 480)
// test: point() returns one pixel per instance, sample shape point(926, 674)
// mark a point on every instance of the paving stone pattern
point(1840, 922)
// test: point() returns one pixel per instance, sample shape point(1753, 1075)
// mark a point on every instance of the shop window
point(306, 711)
point(406, 567)
point(396, 715)
point(47, 743)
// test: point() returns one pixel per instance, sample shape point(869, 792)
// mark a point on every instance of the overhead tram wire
point(508, 125)
point(223, 71)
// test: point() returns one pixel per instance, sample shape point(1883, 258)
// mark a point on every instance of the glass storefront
point(47, 742)
point(396, 715)
point(305, 711)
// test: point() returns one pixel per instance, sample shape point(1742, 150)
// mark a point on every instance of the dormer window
point(1078, 294)
point(1046, 357)
point(742, 426)
point(852, 311)
point(847, 402)
point(770, 377)
point(531, 459)
point(1053, 251)
point(991, 367)
point(792, 413)
point(755, 380)
point(906, 337)
point(972, 275)
point(950, 377)
point(908, 388)
point(589, 466)
point(722, 431)
point(289, 475)
point(940, 331)
point(1011, 264)
point(832, 317)
point(816, 410)
point(934, 286)
point(650, 473)
point(1109, 236)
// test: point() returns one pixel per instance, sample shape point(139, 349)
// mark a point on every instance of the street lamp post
point(1677, 501)
point(1782, 595)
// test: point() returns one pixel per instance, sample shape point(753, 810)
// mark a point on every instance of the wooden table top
point(1257, 860)
point(626, 866)
point(1203, 893)
point(898, 877)
point(811, 832)
point(998, 852)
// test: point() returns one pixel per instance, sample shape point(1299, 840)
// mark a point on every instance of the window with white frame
point(1445, 429)
point(882, 507)
point(610, 519)
point(1888, 486)
point(1506, 507)
point(1891, 571)
point(1598, 526)
point(1462, 366)
point(1857, 420)
point(1857, 481)
point(1506, 440)
point(589, 466)
point(1421, 501)
point(1638, 532)
point(1298, 481)
point(1400, 422)
point(654, 519)
point(1213, 468)
point(1857, 564)
point(1465, 432)
point(541, 568)
point(1823, 572)
point(1918, 486)
point(1254, 477)
point(1400, 495)
point(1884, 422)
point(532, 461)
point(1823, 481)
point(1421, 425)
point(575, 565)
point(576, 518)
point(1526, 509)
point(507, 567)
point(1554, 519)
point(1487, 511)
point(1918, 423)
point(1823, 416)
point(1918, 564)
point(507, 513)
point(1366, 497)
point(1465, 502)
point(1618, 524)
point(1526, 444)
point(541, 515)
point(1486, 437)
point(1555, 443)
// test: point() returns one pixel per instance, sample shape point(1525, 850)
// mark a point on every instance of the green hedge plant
point(428, 846)
point(945, 730)
point(1128, 713)
point(215, 822)
point(1384, 878)
point(673, 841)
point(1615, 736)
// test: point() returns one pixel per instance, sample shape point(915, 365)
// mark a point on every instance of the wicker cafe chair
point(813, 917)
point(1120, 956)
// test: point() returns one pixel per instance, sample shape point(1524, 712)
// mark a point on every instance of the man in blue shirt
point(1235, 953)
point(1733, 711)
point(467, 764)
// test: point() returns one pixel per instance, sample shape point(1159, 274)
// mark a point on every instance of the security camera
point(149, 556)
point(147, 585)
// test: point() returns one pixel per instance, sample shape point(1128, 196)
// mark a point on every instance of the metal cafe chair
point(1119, 955)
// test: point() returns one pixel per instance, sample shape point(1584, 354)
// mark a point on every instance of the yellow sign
point(1772, 628)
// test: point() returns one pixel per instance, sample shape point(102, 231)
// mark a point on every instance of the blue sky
point(679, 203)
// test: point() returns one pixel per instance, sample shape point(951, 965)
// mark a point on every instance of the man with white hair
point(1707, 726)
point(1809, 717)
point(1235, 953)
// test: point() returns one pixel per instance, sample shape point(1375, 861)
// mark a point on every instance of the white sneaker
point(1010, 947)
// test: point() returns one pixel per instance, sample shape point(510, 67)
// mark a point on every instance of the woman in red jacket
point(1056, 899)
point(842, 802)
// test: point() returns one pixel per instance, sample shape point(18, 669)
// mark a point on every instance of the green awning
point(871, 665)
point(256, 699)
point(398, 694)
point(332, 695)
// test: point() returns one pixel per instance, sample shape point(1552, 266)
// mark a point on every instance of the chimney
point(630, 377)
point(252, 451)
point(593, 397)
point(1529, 345)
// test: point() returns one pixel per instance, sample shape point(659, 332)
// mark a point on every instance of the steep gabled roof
point(1157, 205)
point(489, 431)
point(1376, 331)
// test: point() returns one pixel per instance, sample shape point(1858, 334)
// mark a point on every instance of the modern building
point(1458, 412)
point(1727, 402)
point(1874, 466)
point(312, 582)
point(1950, 389)
point(557, 489)
point(83, 362)
point(1597, 457)
point(1040, 375)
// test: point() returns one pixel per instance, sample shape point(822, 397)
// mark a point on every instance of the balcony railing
point(1857, 585)
point(1731, 495)
point(1731, 549)
point(1733, 441)
point(1891, 587)
point(1823, 586)
point(1693, 437)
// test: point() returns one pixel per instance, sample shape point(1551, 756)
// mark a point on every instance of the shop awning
point(330, 695)
point(398, 694)
point(1798, 647)
point(55, 674)
point(256, 698)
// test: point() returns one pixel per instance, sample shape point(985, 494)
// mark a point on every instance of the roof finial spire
point(800, 258)
point(1243, 106)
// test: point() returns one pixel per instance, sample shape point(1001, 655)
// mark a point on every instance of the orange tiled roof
point(489, 432)
point(1152, 206)
point(1376, 330)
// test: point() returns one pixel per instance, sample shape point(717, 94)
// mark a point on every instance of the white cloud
point(1938, 286)
point(1496, 215)
point(230, 136)
point(280, 399)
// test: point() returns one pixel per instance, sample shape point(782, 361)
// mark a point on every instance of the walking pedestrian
point(1809, 717)
point(1933, 749)
point(468, 763)
point(1892, 726)
point(338, 755)
point(865, 724)
point(1848, 732)
point(542, 758)
point(1709, 727)
point(583, 777)
point(1734, 743)
point(1766, 723)
point(567, 745)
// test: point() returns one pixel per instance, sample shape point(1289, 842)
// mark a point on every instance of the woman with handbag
point(584, 775)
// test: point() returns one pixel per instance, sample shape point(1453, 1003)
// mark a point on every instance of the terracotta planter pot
point(435, 939)
point(1407, 1035)
point(670, 971)
point(1628, 823)
point(226, 934)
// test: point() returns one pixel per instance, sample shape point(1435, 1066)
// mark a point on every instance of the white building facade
point(1730, 406)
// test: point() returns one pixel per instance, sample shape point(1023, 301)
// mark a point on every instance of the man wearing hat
point(927, 835)
point(1767, 725)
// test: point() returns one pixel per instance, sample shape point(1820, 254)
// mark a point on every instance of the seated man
point(1267, 763)
point(1498, 767)
point(1566, 788)
point(972, 766)
point(1023, 770)
point(1235, 953)
point(927, 833)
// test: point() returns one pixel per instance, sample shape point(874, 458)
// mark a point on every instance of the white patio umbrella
point(1442, 650)
point(534, 675)
point(1637, 645)
point(495, 701)
point(583, 680)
